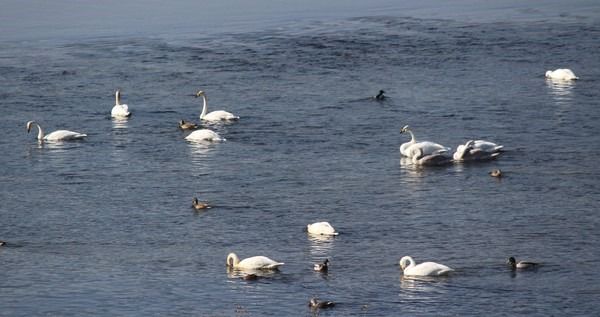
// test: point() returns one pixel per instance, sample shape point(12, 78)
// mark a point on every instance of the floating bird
point(252, 263)
point(2, 243)
point(204, 135)
point(317, 304)
point(184, 125)
point(496, 173)
point(424, 269)
point(411, 148)
point(436, 158)
point(217, 115)
point(380, 96)
point(119, 110)
point(322, 267)
point(561, 74)
point(59, 135)
point(521, 265)
point(198, 205)
point(477, 150)
point(322, 228)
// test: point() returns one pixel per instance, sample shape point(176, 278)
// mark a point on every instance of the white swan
point(204, 135)
point(217, 115)
point(253, 263)
point(561, 74)
point(478, 150)
point(424, 269)
point(119, 110)
point(412, 147)
point(321, 228)
point(404, 147)
point(58, 135)
point(436, 158)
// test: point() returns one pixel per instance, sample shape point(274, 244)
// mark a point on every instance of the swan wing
point(204, 135)
point(120, 111)
point(428, 269)
point(61, 135)
point(258, 262)
point(219, 115)
point(321, 228)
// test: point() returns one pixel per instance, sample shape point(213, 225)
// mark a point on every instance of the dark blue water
point(105, 226)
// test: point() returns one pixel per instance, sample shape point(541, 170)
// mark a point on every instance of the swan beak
point(199, 93)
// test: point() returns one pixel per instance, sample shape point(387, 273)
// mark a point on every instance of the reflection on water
point(320, 245)
point(236, 273)
point(119, 123)
point(422, 287)
point(200, 152)
point(561, 90)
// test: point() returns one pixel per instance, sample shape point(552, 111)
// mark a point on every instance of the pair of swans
point(207, 135)
point(430, 153)
point(58, 135)
point(561, 74)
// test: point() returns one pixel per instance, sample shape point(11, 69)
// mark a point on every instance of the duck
point(204, 135)
point(477, 150)
point(317, 304)
point(521, 265)
point(496, 173)
point(321, 228)
point(119, 110)
point(198, 205)
point(214, 116)
point(322, 267)
point(185, 125)
point(410, 148)
point(561, 74)
point(2, 243)
point(253, 263)
point(423, 269)
point(380, 96)
point(58, 135)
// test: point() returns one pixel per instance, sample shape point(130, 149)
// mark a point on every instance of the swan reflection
point(560, 89)
point(320, 245)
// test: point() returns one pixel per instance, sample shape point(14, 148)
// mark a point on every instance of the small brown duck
point(322, 267)
point(521, 265)
point(184, 125)
point(316, 304)
point(496, 173)
point(199, 205)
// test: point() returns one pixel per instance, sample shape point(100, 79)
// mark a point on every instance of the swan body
point(322, 267)
point(252, 263)
point(184, 125)
point(435, 158)
point(218, 115)
point(521, 265)
point(204, 135)
point(477, 150)
point(561, 74)
point(423, 269)
point(321, 228)
point(58, 135)
point(198, 205)
point(119, 110)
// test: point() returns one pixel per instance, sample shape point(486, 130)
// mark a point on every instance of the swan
point(424, 269)
point(58, 135)
point(322, 228)
point(218, 115)
point(404, 147)
point(477, 150)
point(439, 157)
point(561, 74)
point(408, 149)
point(322, 267)
point(316, 304)
point(184, 125)
point(252, 263)
point(496, 173)
point(199, 204)
point(522, 265)
point(204, 135)
point(119, 110)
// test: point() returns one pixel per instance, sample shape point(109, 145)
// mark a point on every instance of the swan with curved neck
point(417, 151)
point(58, 135)
point(217, 115)
point(253, 263)
point(119, 110)
point(477, 150)
point(410, 268)
point(404, 147)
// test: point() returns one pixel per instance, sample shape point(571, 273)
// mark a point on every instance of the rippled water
point(105, 226)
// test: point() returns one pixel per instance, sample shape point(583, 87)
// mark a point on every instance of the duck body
point(321, 228)
point(561, 74)
point(185, 125)
point(204, 135)
point(252, 263)
point(322, 267)
point(119, 110)
point(496, 173)
point(214, 116)
point(477, 150)
point(316, 304)
point(380, 96)
point(58, 135)
point(200, 205)
point(410, 268)
point(521, 265)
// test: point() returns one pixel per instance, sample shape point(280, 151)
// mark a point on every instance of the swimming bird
point(316, 304)
point(252, 263)
point(322, 228)
point(477, 150)
point(410, 148)
point(184, 125)
point(380, 96)
point(561, 74)
point(322, 267)
point(496, 173)
point(436, 158)
point(119, 110)
point(424, 269)
point(204, 135)
point(198, 205)
point(521, 265)
point(2, 243)
point(217, 115)
point(58, 135)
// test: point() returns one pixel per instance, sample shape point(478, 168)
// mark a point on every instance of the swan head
point(29, 123)
point(404, 129)
point(232, 260)
point(200, 93)
point(405, 262)
point(548, 73)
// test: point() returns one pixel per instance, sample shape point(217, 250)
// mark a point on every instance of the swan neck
point(204, 107)
point(234, 260)
point(40, 135)
point(118, 98)
point(412, 137)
